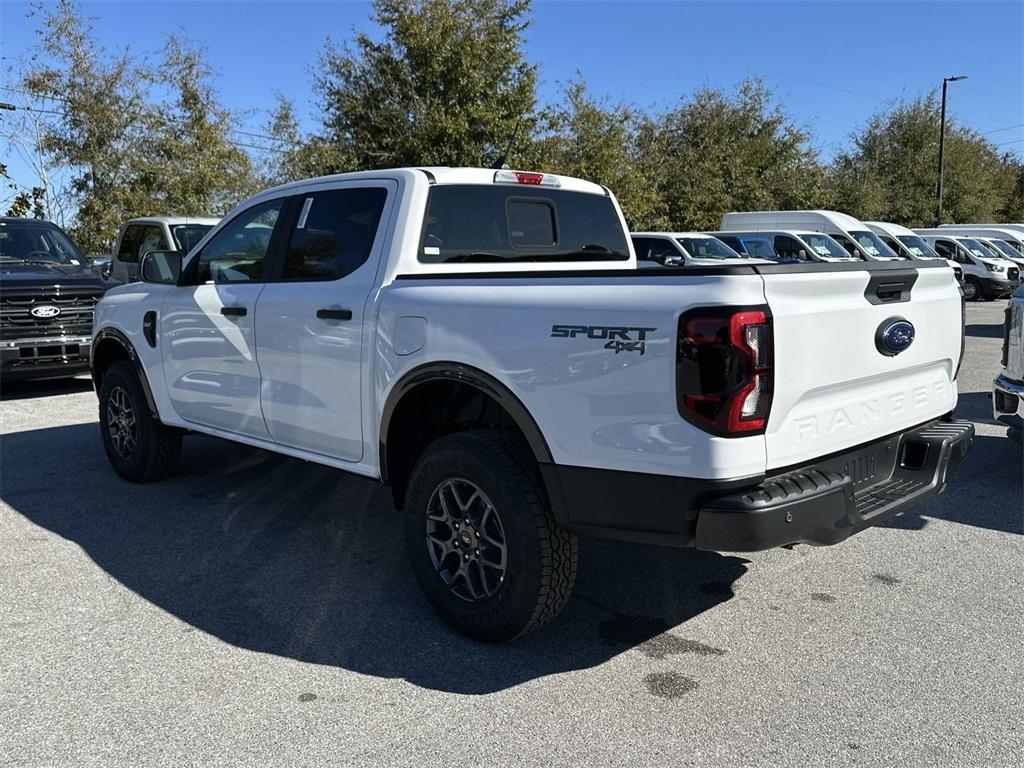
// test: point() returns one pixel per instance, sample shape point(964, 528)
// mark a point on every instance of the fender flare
point(472, 377)
point(113, 334)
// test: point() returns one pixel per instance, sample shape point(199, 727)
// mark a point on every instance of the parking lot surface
point(258, 610)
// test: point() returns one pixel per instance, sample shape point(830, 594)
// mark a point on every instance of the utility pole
point(942, 145)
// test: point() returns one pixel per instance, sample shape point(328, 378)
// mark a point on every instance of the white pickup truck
point(483, 343)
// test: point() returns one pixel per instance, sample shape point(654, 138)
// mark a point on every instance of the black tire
point(540, 559)
point(972, 289)
point(154, 450)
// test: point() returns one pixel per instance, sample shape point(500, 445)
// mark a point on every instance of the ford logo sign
point(894, 335)
point(44, 311)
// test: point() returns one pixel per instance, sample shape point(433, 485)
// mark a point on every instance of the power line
point(1007, 128)
point(1014, 141)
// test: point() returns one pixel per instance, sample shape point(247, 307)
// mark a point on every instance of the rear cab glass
point(494, 224)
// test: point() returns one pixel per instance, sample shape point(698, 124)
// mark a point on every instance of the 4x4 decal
point(619, 338)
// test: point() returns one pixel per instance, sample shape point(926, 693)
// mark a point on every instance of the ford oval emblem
point(894, 335)
point(44, 311)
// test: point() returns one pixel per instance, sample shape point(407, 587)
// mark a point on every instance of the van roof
point(779, 219)
point(888, 228)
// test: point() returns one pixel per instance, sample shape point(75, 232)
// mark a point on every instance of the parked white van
point(985, 276)
point(854, 235)
point(786, 245)
point(684, 249)
point(1006, 233)
point(1003, 249)
point(908, 243)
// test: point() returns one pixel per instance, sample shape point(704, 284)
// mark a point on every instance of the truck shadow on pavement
point(284, 557)
point(21, 390)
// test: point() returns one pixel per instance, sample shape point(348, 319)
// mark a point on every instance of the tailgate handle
point(891, 287)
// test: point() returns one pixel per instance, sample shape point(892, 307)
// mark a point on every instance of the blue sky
point(830, 63)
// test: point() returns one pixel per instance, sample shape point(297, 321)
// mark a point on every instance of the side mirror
point(162, 267)
point(101, 265)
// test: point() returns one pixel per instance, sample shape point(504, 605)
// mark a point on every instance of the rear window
point(485, 223)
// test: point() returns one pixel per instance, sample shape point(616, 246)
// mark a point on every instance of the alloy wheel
point(466, 540)
point(121, 422)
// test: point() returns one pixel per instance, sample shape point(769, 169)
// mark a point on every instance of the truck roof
point(440, 175)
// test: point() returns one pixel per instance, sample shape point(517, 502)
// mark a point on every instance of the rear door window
point(334, 233)
point(503, 223)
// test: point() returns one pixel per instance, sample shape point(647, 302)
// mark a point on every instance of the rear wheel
point(972, 289)
point(138, 446)
point(481, 539)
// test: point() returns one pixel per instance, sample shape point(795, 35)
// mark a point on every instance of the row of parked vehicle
point(987, 259)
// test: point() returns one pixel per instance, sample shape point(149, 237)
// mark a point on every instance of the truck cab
point(139, 236)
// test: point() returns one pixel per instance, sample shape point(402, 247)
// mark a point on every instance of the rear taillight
point(724, 378)
point(1007, 326)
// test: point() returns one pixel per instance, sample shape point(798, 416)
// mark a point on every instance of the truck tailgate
point(837, 384)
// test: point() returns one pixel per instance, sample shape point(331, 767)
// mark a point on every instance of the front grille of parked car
point(74, 319)
point(1013, 273)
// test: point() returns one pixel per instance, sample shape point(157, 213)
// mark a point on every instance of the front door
point(207, 328)
point(310, 317)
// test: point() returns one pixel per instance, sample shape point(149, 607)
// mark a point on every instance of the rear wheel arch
point(109, 346)
point(441, 398)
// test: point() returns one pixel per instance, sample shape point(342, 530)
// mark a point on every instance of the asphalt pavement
point(258, 610)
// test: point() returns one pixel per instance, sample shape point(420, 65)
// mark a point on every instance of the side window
point(897, 248)
point(236, 253)
point(662, 249)
point(789, 248)
point(642, 246)
point(732, 242)
point(334, 233)
point(847, 243)
point(152, 239)
point(128, 250)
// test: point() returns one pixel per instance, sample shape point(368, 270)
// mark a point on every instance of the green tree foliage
point(446, 86)
point(890, 172)
point(721, 152)
point(584, 137)
point(127, 154)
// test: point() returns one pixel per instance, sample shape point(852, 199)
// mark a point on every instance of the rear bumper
point(820, 503)
point(43, 358)
point(824, 503)
point(1008, 401)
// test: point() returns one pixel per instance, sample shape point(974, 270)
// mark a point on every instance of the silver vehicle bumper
point(1008, 401)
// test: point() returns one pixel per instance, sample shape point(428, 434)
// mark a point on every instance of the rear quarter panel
point(594, 406)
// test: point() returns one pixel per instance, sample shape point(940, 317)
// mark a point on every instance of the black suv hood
point(14, 275)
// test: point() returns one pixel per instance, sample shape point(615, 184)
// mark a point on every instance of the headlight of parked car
point(994, 267)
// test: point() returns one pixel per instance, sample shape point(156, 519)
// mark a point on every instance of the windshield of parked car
point(187, 235)
point(870, 244)
point(918, 247)
point(31, 242)
point(504, 223)
point(827, 248)
point(977, 249)
point(707, 248)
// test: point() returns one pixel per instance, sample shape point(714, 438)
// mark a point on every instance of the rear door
point(837, 383)
point(310, 317)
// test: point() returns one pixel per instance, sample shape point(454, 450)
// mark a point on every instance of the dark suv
point(47, 295)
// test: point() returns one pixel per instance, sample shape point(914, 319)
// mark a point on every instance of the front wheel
point(481, 539)
point(971, 289)
point(138, 446)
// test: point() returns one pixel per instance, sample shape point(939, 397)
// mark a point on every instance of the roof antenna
point(501, 164)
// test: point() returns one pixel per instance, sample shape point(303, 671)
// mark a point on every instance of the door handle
point(334, 314)
point(234, 311)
